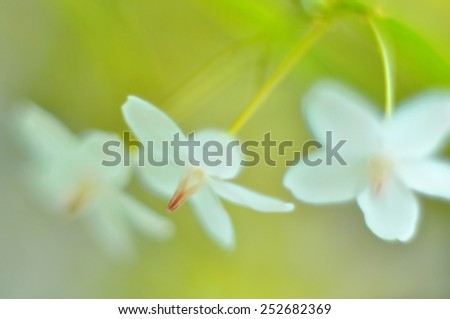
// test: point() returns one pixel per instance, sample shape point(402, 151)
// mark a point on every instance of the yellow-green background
point(202, 61)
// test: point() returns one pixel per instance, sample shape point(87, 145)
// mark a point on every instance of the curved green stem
point(388, 69)
point(312, 35)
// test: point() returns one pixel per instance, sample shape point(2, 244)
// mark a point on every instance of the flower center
point(193, 180)
point(79, 198)
point(380, 168)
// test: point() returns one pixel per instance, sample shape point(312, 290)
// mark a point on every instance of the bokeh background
point(202, 61)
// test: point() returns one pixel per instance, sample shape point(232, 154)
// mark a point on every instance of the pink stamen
point(190, 183)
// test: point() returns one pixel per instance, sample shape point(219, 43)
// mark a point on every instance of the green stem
point(313, 34)
point(388, 69)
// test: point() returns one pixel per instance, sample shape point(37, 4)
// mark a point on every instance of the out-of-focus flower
point(202, 184)
point(66, 172)
point(387, 159)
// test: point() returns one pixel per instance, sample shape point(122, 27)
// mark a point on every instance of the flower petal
point(213, 217)
point(227, 163)
point(421, 125)
point(49, 184)
point(109, 227)
point(94, 148)
point(326, 183)
point(431, 177)
point(145, 219)
point(330, 106)
point(42, 134)
point(248, 198)
point(392, 214)
point(161, 180)
point(150, 124)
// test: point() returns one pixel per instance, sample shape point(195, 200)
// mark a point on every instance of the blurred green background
point(202, 61)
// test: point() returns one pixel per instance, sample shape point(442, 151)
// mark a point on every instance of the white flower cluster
point(387, 159)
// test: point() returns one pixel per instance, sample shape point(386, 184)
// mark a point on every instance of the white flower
point(202, 184)
point(387, 158)
point(67, 174)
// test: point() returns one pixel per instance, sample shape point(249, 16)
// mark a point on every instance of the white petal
point(49, 185)
point(150, 124)
point(92, 147)
point(392, 214)
point(110, 227)
point(330, 106)
point(326, 183)
point(213, 217)
point(421, 125)
point(431, 177)
point(161, 180)
point(245, 197)
point(40, 133)
point(225, 165)
point(145, 219)
point(58, 185)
